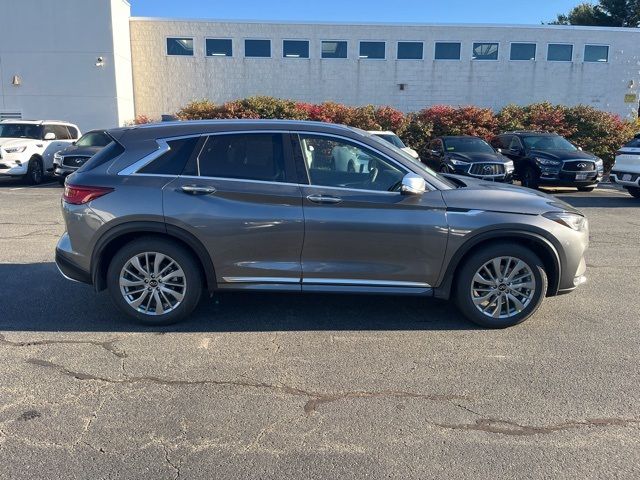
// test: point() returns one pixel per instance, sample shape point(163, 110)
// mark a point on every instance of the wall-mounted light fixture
point(403, 86)
point(100, 62)
point(16, 81)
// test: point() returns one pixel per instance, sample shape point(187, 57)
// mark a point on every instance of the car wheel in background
point(634, 191)
point(586, 189)
point(530, 178)
point(155, 281)
point(35, 172)
point(501, 285)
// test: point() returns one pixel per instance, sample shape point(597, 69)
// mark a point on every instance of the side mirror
point(50, 136)
point(413, 184)
point(580, 148)
point(499, 150)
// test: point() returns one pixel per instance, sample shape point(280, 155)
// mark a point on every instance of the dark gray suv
point(168, 211)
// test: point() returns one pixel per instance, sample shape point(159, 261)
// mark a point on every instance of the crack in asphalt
point(108, 345)
point(505, 427)
point(176, 468)
point(315, 399)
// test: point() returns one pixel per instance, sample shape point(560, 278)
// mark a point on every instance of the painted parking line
point(33, 186)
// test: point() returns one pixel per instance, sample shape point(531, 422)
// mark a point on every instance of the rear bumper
point(66, 265)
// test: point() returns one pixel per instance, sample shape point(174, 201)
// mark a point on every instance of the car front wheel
point(501, 285)
point(35, 172)
point(530, 178)
point(634, 191)
point(155, 281)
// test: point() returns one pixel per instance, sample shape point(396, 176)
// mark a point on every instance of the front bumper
point(12, 169)
point(626, 179)
point(563, 178)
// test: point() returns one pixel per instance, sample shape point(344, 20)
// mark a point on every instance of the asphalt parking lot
point(293, 386)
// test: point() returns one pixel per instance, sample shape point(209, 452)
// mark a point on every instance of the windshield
point(93, 139)
point(467, 145)
point(548, 142)
point(635, 143)
point(392, 139)
point(421, 166)
point(20, 130)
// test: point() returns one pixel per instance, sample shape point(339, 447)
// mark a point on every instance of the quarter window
point(60, 131)
point(254, 156)
point(180, 46)
point(295, 49)
point(523, 51)
point(596, 53)
point(333, 162)
point(485, 51)
point(334, 49)
point(219, 47)
point(410, 50)
point(372, 50)
point(257, 48)
point(559, 52)
point(173, 161)
point(447, 51)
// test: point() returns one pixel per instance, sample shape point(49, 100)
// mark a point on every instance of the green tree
point(606, 13)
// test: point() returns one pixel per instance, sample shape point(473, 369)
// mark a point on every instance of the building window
point(180, 46)
point(596, 53)
point(219, 47)
point(257, 48)
point(523, 51)
point(334, 49)
point(410, 50)
point(447, 51)
point(372, 50)
point(295, 49)
point(560, 52)
point(485, 51)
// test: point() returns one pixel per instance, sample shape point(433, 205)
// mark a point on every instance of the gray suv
point(166, 212)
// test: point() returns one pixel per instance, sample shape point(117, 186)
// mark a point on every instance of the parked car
point(396, 141)
point(472, 156)
point(626, 170)
point(547, 159)
point(27, 147)
point(166, 211)
point(68, 160)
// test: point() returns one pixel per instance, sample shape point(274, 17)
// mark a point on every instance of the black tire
point(530, 178)
point(586, 189)
point(186, 261)
point(634, 191)
point(35, 172)
point(465, 276)
point(61, 180)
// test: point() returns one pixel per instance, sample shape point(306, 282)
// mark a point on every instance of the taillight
point(80, 194)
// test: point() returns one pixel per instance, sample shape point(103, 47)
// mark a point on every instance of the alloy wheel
point(152, 283)
point(503, 287)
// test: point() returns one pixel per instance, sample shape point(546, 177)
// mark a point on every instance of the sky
point(409, 11)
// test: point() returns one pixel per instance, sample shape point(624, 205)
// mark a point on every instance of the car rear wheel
point(501, 285)
point(35, 172)
point(586, 189)
point(155, 281)
point(634, 191)
point(530, 178)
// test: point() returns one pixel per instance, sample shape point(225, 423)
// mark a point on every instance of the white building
point(159, 65)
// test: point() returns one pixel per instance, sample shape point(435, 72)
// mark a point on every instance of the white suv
point(395, 140)
point(626, 170)
point(27, 147)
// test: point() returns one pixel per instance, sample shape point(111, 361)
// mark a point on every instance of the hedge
point(596, 131)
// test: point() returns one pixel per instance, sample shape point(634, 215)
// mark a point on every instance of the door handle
point(197, 189)
point(324, 199)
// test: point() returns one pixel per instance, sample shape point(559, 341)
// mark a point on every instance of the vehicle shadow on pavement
point(37, 298)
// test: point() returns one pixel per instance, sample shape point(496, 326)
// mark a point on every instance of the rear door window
point(251, 156)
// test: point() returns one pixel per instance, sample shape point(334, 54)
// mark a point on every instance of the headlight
point(509, 166)
point(458, 162)
point(15, 149)
point(599, 164)
point(547, 162)
point(572, 220)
